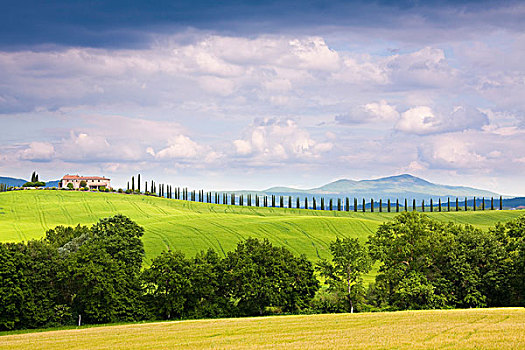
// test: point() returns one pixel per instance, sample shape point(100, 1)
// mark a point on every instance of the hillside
point(191, 226)
point(393, 187)
point(454, 329)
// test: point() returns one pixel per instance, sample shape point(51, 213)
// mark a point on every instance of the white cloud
point(180, 146)
point(38, 152)
point(418, 120)
point(423, 120)
point(274, 140)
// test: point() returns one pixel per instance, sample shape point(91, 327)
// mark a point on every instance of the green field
point(191, 226)
point(443, 329)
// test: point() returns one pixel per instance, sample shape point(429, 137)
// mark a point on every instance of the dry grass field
point(443, 329)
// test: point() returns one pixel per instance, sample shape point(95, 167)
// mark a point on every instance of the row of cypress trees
point(338, 204)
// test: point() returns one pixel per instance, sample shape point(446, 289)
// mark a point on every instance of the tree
point(70, 186)
point(100, 276)
point(349, 262)
point(258, 276)
point(83, 183)
point(409, 249)
point(28, 297)
point(167, 284)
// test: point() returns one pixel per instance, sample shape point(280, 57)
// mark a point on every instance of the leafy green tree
point(405, 248)
point(100, 275)
point(83, 183)
point(350, 260)
point(28, 297)
point(167, 284)
point(258, 276)
point(512, 236)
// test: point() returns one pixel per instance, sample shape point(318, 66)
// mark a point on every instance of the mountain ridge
point(390, 187)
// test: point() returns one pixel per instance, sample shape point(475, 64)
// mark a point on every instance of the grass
point(191, 226)
point(450, 329)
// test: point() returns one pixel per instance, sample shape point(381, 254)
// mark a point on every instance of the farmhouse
point(92, 182)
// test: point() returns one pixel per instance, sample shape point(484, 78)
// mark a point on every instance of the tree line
point(87, 275)
point(332, 204)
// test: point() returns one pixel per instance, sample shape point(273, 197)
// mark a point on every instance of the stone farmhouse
point(92, 182)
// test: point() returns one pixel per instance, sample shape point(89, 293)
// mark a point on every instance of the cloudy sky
point(232, 94)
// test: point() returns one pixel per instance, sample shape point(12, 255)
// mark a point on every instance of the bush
point(120, 190)
point(34, 184)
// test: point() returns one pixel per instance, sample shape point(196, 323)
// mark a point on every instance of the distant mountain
point(11, 181)
point(392, 187)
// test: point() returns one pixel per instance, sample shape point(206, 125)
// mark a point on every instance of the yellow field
point(444, 329)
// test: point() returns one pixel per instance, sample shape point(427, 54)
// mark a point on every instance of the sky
point(248, 95)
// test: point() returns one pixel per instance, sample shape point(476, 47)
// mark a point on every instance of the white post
point(79, 320)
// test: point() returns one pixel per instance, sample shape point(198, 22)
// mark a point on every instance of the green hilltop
point(193, 226)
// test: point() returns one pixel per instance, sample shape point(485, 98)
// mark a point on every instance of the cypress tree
point(138, 182)
point(364, 205)
point(322, 203)
point(413, 205)
point(500, 203)
point(431, 205)
point(298, 203)
point(347, 206)
point(466, 203)
point(397, 205)
point(423, 205)
point(448, 204)
point(289, 201)
point(491, 203)
point(457, 204)
point(331, 204)
point(314, 205)
point(33, 177)
point(133, 183)
point(406, 205)
point(355, 204)
point(128, 186)
point(338, 204)
point(483, 203)
point(305, 202)
point(380, 205)
point(281, 201)
point(273, 201)
point(474, 204)
point(232, 199)
point(388, 205)
point(439, 205)
point(372, 205)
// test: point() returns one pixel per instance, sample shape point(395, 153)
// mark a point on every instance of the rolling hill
point(193, 226)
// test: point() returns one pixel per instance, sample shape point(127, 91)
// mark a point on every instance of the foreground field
point(453, 329)
point(191, 226)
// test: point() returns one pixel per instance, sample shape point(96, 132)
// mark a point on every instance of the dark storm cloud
point(29, 23)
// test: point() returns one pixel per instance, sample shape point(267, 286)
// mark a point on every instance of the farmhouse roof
point(77, 177)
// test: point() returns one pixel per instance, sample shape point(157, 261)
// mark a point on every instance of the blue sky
point(235, 94)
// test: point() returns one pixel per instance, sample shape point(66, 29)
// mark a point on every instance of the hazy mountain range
point(393, 187)
point(11, 181)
